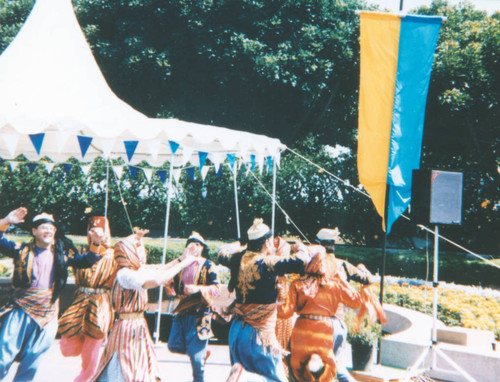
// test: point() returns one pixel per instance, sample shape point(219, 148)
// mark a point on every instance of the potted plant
point(363, 338)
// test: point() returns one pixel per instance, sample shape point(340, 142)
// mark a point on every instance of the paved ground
point(173, 367)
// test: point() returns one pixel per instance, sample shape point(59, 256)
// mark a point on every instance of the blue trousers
point(339, 340)
point(22, 339)
point(245, 347)
point(184, 339)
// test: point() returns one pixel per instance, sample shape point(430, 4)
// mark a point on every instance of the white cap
point(43, 218)
point(257, 230)
point(327, 234)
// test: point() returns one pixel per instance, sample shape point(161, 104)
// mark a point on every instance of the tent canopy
point(52, 91)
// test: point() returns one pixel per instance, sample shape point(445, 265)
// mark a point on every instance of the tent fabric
point(53, 90)
point(396, 64)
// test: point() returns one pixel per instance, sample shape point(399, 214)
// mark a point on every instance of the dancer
point(252, 339)
point(197, 285)
point(28, 323)
point(129, 354)
point(327, 237)
point(316, 299)
point(85, 324)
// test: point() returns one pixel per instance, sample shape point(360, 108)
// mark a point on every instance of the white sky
point(491, 6)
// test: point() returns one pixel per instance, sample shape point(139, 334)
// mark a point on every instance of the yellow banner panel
point(379, 41)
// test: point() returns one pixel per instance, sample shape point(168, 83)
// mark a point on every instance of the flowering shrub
point(456, 307)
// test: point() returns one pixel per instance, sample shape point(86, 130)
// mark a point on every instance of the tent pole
point(107, 189)
point(274, 196)
point(164, 254)
point(237, 208)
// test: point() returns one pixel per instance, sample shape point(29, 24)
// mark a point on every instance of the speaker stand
point(434, 349)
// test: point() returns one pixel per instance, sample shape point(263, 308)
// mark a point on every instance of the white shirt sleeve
point(130, 279)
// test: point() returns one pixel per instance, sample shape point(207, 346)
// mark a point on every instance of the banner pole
point(382, 270)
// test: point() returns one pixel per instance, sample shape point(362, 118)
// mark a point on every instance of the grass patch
point(453, 267)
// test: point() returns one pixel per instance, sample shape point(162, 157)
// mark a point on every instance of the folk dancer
point(197, 285)
point(28, 323)
point(85, 324)
point(316, 299)
point(327, 238)
point(129, 354)
point(254, 269)
point(284, 326)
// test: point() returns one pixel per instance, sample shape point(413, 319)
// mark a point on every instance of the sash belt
point(88, 290)
point(130, 316)
point(317, 317)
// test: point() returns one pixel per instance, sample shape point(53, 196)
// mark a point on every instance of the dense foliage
point(284, 68)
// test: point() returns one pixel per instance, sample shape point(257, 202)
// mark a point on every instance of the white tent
point(55, 102)
point(52, 89)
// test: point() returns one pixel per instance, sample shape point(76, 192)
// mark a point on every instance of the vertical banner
point(417, 44)
point(379, 41)
point(396, 58)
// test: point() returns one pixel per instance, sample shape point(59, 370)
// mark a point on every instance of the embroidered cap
point(327, 234)
point(257, 230)
point(196, 238)
point(43, 218)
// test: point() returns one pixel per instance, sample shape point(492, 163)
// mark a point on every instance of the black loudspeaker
point(436, 197)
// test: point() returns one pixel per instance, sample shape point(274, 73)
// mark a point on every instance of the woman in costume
point(316, 299)
point(129, 354)
point(85, 324)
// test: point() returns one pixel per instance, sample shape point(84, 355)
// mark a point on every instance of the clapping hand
point(96, 235)
point(191, 289)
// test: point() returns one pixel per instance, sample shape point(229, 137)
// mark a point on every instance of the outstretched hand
point(316, 265)
point(17, 216)
point(140, 233)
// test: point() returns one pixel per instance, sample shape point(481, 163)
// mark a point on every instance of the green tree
point(284, 68)
point(462, 129)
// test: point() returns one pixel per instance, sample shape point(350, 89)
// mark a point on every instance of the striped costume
point(129, 350)
point(91, 313)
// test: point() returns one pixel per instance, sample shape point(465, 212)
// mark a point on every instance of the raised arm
point(7, 247)
point(227, 253)
point(164, 274)
point(87, 260)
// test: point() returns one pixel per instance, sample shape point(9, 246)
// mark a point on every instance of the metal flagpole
point(274, 196)
point(237, 208)
point(382, 271)
point(435, 284)
point(165, 240)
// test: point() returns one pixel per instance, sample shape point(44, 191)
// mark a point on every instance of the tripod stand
point(433, 349)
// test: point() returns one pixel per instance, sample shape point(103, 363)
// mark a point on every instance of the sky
point(491, 6)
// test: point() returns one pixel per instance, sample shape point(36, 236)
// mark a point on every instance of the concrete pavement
point(173, 367)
